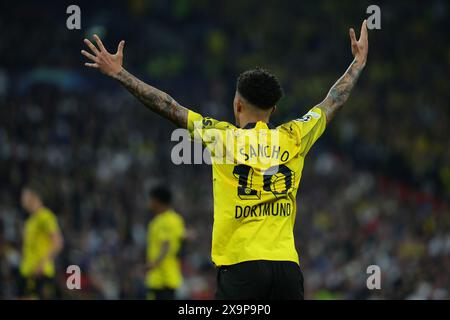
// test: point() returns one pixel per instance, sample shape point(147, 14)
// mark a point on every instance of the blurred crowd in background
point(375, 188)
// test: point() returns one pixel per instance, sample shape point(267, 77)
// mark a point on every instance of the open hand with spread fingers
point(360, 47)
point(108, 63)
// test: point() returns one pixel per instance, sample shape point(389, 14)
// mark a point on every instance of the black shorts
point(41, 287)
point(260, 280)
point(160, 294)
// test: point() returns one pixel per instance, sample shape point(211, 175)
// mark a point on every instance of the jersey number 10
point(272, 178)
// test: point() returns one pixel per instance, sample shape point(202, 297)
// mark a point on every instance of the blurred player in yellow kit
point(164, 240)
point(42, 242)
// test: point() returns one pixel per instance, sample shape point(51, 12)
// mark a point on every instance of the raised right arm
point(154, 99)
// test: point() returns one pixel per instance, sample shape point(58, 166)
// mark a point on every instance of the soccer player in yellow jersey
point(165, 236)
point(254, 194)
point(42, 242)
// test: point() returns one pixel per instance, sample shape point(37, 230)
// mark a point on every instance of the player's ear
point(274, 108)
point(239, 105)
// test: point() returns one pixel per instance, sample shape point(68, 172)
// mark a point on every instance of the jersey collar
point(251, 125)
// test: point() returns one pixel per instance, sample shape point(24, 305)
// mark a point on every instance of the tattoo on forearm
point(154, 99)
point(340, 91)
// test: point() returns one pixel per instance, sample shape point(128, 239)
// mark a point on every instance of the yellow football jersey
point(256, 174)
point(37, 242)
point(166, 226)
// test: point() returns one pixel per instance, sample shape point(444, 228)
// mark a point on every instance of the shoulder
point(289, 127)
point(210, 123)
point(197, 121)
point(47, 219)
point(175, 217)
point(311, 119)
point(173, 220)
point(46, 214)
point(312, 116)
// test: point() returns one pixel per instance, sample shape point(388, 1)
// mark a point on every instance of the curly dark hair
point(260, 88)
point(162, 194)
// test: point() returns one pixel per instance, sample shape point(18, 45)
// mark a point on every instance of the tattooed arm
point(154, 99)
point(340, 91)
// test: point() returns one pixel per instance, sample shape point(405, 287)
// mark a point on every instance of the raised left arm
point(340, 91)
